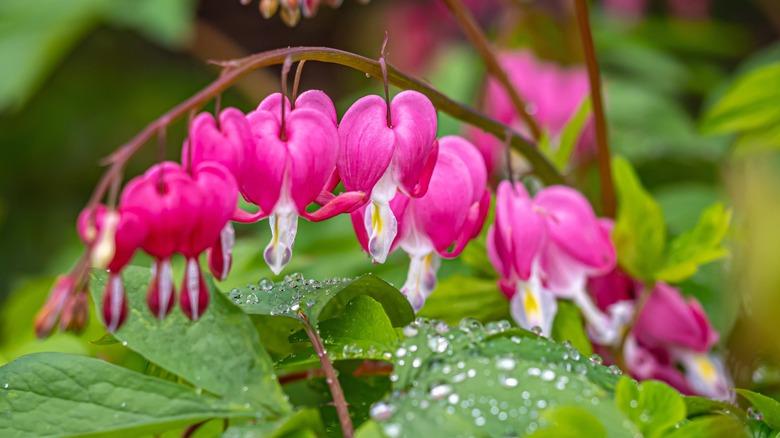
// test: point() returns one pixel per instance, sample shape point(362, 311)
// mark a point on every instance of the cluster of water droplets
point(286, 297)
point(497, 378)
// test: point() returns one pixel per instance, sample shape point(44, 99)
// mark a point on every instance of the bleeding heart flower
point(385, 149)
point(184, 213)
point(672, 334)
point(289, 165)
point(446, 218)
point(549, 245)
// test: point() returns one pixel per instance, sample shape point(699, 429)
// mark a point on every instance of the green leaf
point(169, 22)
point(569, 422)
point(34, 36)
point(653, 406)
point(768, 407)
point(568, 326)
point(491, 380)
point(698, 246)
point(571, 133)
point(302, 423)
point(696, 406)
point(362, 332)
point(640, 232)
point(459, 296)
point(48, 394)
point(220, 353)
point(711, 426)
point(320, 300)
point(750, 104)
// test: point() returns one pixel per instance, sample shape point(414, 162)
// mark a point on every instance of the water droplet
point(453, 399)
point(392, 430)
point(548, 375)
point(416, 362)
point(754, 414)
point(6, 385)
point(536, 330)
point(509, 382)
point(438, 344)
point(505, 363)
point(266, 284)
point(410, 331)
point(235, 296)
point(401, 352)
point(615, 370)
point(295, 307)
point(381, 411)
point(251, 299)
point(595, 359)
point(441, 327)
point(440, 391)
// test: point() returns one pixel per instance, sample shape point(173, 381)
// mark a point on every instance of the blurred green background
point(78, 78)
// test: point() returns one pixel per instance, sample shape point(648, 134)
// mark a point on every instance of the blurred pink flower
point(546, 247)
point(553, 94)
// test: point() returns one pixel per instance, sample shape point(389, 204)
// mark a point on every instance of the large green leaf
point(700, 245)
point(459, 296)
point(220, 353)
point(711, 426)
point(640, 231)
point(319, 300)
point(768, 407)
point(475, 380)
point(750, 104)
point(302, 423)
point(56, 394)
point(654, 407)
point(569, 422)
point(569, 326)
point(362, 332)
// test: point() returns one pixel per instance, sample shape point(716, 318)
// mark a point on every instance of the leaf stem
point(596, 97)
point(330, 377)
point(480, 42)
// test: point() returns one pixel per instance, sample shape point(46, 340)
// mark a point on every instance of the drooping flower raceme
point(289, 165)
point(546, 247)
point(386, 149)
point(184, 213)
point(553, 95)
point(441, 222)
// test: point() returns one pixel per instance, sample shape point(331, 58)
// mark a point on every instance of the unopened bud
point(290, 13)
point(268, 8)
point(105, 246)
point(75, 312)
point(310, 7)
point(47, 316)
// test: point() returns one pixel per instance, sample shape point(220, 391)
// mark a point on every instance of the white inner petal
point(284, 226)
point(421, 278)
point(532, 306)
point(193, 285)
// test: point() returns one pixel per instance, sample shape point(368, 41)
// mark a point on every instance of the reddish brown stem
point(330, 378)
point(236, 69)
point(480, 42)
point(596, 97)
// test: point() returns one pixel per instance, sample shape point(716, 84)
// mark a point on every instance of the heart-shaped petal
point(414, 126)
point(265, 164)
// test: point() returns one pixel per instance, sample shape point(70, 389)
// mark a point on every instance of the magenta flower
point(546, 247)
point(291, 164)
point(47, 317)
point(225, 144)
point(442, 221)
point(117, 235)
point(185, 213)
point(671, 334)
point(552, 93)
point(384, 150)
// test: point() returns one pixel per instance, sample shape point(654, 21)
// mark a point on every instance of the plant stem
point(330, 377)
point(482, 45)
point(594, 77)
point(236, 69)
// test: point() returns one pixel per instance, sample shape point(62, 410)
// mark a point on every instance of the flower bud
point(268, 8)
point(290, 15)
point(104, 247)
point(48, 315)
point(75, 312)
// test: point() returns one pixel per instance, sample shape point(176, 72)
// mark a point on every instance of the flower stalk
point(331, 378)
point(596, 97)
point(480, 42)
